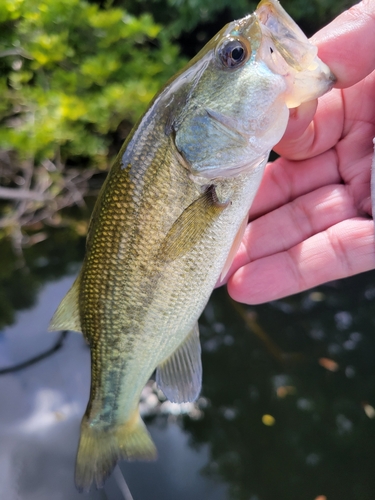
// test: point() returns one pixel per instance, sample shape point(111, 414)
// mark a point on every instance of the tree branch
point(15, 52)
point(21, 194)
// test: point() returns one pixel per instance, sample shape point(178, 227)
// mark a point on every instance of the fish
point(169, 220)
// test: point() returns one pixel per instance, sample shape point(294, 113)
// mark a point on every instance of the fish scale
point(168, 222)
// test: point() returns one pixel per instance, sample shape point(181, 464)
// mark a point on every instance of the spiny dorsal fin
point(180, 376)
point(66, 316)
point(190, 226)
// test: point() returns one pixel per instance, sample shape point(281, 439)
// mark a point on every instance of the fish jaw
point(287, 50)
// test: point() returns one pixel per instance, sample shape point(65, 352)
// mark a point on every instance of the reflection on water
point(319, 393)
point(287, 409)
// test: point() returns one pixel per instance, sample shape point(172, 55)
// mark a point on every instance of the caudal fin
point(100, 450)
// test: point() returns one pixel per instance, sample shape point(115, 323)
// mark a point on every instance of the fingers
point(305, 138)
point(344, 44)
point(308, 242)
point(344, 249)
point(285, 180)
point(295, 222)
point(299, 119)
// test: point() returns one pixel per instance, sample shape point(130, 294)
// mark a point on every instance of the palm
point(311, 217)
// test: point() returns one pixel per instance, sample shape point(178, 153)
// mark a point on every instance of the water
point(287, 409)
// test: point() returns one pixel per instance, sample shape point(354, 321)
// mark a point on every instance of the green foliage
point(73, 71)
point(181, 16)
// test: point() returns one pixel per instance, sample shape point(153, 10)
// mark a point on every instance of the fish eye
point(233, 53)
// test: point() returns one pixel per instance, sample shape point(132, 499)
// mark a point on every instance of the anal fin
point(180, 376)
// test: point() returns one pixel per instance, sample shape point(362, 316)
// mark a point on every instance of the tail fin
point(99, 450)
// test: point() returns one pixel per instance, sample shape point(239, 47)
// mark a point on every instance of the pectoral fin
point(66, 316)
point(190, 226)
point(180, 376)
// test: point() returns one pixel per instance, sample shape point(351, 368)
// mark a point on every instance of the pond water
point(287, 410)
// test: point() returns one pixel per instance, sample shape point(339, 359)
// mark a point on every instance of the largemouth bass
point(169, 219)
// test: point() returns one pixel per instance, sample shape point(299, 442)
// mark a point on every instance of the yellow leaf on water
point(268, 420)
point(285, 390)
point(328, 364)
point(317, 296)
point(369, 410)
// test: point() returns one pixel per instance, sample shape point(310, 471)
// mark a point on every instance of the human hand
point(311, 219)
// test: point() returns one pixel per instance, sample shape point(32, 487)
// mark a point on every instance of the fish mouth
point(271, 14)
point(301, 62)
point(287, 36)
